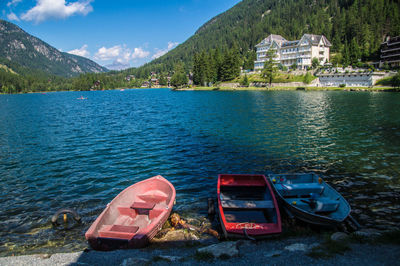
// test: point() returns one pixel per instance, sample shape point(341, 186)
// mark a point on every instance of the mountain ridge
point(30, 52)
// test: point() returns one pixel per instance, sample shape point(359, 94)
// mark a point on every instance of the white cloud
point(140, 53)
point(109, 53)
point(13, 2)
point(81, 51)
point(161, 52)
point(58, 9)
point(120, 54)
point(12, 16)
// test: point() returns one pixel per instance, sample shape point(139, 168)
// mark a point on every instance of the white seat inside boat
point(247, 204)
point(302, 189)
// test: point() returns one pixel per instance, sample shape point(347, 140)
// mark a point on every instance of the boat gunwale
point(254, 232)
point(92, 232)
point(322, 217)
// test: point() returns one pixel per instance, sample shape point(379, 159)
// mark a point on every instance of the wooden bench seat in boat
point(247, 204)
point(118, 231)
point(143, 206)
point(322, 204)
point(303, 189)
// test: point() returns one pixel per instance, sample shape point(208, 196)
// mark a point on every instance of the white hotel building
point(300, 52)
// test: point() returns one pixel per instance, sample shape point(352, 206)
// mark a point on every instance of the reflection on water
point(56, 151)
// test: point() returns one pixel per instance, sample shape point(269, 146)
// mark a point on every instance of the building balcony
point(394, 42)
point(390, 55)
point(393, 61)
point(384, 50)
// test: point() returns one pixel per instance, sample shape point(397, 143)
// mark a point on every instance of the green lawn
point(279, 78)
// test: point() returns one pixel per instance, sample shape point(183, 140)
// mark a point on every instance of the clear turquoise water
point(57, 151)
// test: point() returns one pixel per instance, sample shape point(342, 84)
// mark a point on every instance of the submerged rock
point(222, 249)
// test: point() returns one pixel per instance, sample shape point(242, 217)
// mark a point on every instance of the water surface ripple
point(57, 151)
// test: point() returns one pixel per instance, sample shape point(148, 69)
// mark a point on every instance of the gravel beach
point(290, 251)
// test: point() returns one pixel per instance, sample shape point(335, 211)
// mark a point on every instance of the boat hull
point(247, 207)
point(329, 218)
point(133, 217)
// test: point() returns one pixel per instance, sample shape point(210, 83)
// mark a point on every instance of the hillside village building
point(390, 52)
point(300, 52)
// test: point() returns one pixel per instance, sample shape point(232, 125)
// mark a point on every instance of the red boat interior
point(247, 199)
point(135, 211)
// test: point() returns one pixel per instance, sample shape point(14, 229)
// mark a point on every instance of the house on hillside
point(390, 52)
point(299, 52)
point(146, 84)
point(154, 81)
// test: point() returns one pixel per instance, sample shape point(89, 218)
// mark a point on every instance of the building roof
point(272, 37)
point(282, 42)
point(316, 39)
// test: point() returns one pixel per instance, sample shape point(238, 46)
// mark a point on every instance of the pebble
point(45, 256)
point(339, 236)
point(170, 258)
point(297, 247)
point(135, 262)
point(368, 233)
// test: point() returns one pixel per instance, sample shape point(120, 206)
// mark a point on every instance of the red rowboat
point(133, 217)
point(247, 206)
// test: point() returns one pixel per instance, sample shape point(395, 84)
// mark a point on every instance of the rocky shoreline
point(367, 246)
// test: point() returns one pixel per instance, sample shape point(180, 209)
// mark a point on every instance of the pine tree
point(270, 67)
point(245, 82)
point(355, 53)
point(179, 78)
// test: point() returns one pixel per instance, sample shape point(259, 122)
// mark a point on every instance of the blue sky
point(122, 33)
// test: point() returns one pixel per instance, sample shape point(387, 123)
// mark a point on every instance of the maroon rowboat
point(133, 217)
point(247, 207)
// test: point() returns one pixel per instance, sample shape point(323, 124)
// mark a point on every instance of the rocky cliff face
point(18, 46)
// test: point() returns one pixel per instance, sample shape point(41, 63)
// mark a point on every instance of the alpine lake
point(58, 150)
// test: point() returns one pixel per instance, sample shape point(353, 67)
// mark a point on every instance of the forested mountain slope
point(352, 26)
point(32, 54)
